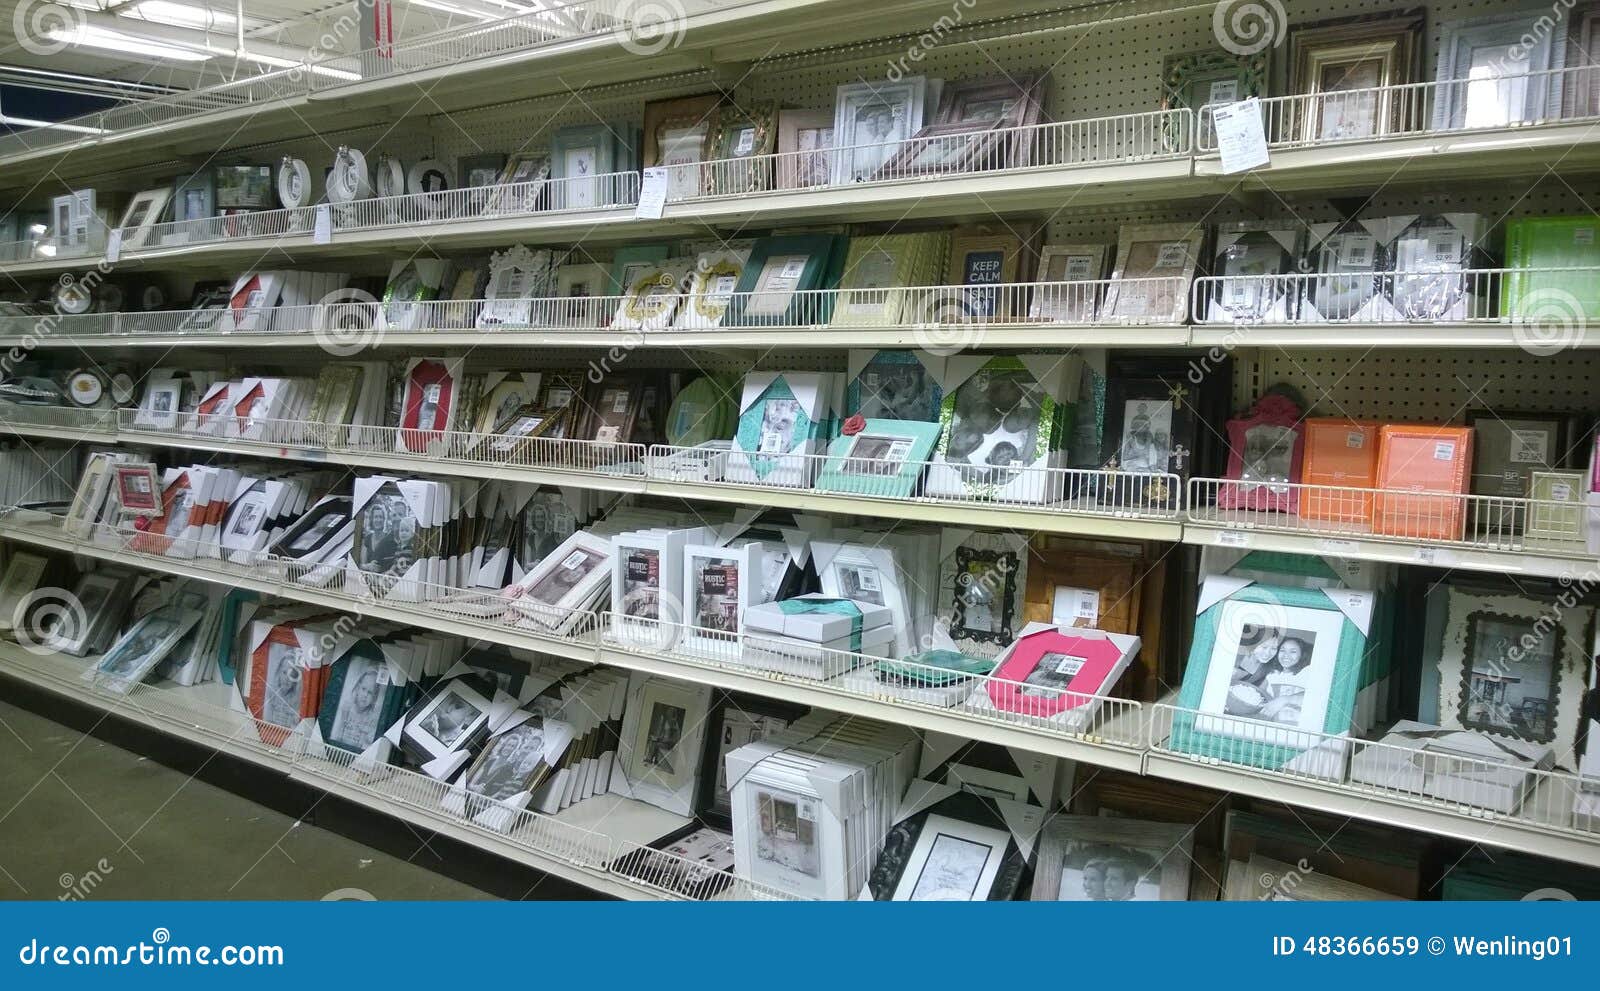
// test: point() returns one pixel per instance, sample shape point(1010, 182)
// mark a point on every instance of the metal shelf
point(1380, 335)
point(1540, 563)
point(201, 715)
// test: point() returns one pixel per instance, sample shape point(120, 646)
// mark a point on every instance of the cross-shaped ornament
point(1180, 454)
point(1177, 392)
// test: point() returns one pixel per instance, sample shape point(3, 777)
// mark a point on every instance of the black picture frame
point(338, 507)
point(705, 789)
point(989, 561)
point(1497, 470)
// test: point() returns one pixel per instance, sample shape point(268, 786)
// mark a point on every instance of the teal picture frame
point(745, 310)
point(625, 261)
point(909, 445)
point(389, 699)
point(582, 167)
point(1187, 737)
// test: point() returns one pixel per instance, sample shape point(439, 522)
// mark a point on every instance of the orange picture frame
point(1434, 462)
point(1342, 453)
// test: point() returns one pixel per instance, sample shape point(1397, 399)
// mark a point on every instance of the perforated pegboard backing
point(1432, 385)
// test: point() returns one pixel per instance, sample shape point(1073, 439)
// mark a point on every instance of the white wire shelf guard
point(1485, 101)
point(1338, 513)
point(961, 312)
point(1546, 299)
point(1439, 781)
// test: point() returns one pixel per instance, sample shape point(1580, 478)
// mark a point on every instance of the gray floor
point(84, 819)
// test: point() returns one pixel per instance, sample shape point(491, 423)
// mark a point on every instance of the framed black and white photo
point(1099, 859)
point(952, 861)
point(871, 120)
point(454, 718)
point(510, 763)
point(662, 742)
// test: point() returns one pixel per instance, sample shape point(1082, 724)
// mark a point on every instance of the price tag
point(652, 194)
point(114, 245)
point(1233, 538)
point(1340, 547)
point(322, 227)
point(1241, 139)
point(1437, 556)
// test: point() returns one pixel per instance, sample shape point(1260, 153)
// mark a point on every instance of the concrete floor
point(82, 818)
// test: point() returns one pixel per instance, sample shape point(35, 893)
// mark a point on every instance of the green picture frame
point(1194, 79)
point(772, 287)
point(627, 262)
point(1292, 609)
point(376, 706)
point(885, 458)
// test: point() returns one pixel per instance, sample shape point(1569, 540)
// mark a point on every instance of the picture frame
point(481, 171)
point(1060, 674)
point(895, 385)
point(139, 488)
point(1467, 48)
point(98, 593)
point(159, 408)
point(511, 763)
point(1239, 704)
point(953, 860)
point(428, 406)
point(942, 150)
point(1002, 102)
point(662, 743)
point(1580, 95)
point(679, 113)
point(805, 148)
point(22, 576)
point(651, 300)
point(779, 427)
point(194, 196)
point(885, 458)
point(1002, 423)
point(144, 211)
point(361, 699)
point(1423, 470)
point(1507, 448)
point(979, 258)
point(1096, 858)
point(1511, 669)
point(551, 595)
point(870, 121)
point(1262, 879)
point(710, 285)
point(389, 539)
point(517, 276)
point(453, 718)
point(740, 147)
point(1196, 80)
point(871, 573)
point(581, 165)
point(1150, 426)
point(733, 722)
point(244, 187)
point(1266, 451)
point(613, 409)
point(521, 186)
point(1558, 511)
point(1070, 264)
point(1252, 260)
point(876, 286)
point(982, 578)
point(1341, 454)
point(327, 524)
point(719, 585)
point(1358, 55)
point(774, 286)
point(137, 652)
point(1152, 274)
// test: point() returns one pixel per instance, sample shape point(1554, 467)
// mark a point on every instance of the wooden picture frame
point(1196, 80)
point(1095, 858)
point(981, 259)
point(1354, 54)
point(660, 115)
point(805, 148)
point(740, 147)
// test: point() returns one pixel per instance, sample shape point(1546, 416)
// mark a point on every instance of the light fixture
point(116, 41)
point(51, 124)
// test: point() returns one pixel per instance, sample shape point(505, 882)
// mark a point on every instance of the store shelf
point(1541, 824)
point(1566, 561)
point(578, 845)
point(1398, 334)
point(1115, 741)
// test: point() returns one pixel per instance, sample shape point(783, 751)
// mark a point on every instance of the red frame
point(425, 373)
point(153, 538)
point(1258, 495)
point(1100, 655)
point(122, 489)
point(245, 406)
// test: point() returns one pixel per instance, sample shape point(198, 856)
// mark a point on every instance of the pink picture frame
point(1066, 671)
point(1256, 446)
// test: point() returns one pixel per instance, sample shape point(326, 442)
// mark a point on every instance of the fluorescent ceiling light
point(184, 15)
point(127, 44)
point(51, 124)
point(283, 63)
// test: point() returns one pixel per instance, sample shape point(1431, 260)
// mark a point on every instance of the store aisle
point(82, 818)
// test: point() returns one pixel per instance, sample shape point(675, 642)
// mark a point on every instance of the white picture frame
point(871, 120)
point(449, 721)
point(662, 743)
point(143, 213)
point(517, 276)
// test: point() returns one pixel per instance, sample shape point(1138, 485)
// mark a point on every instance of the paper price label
point(1233, 538)
point(1444, 450)
point(114, 245)
point(1560, 492)
point(652, 194)
point(574, 560)
point(868, 580)
point(1355, 440)
point(322, 227)
point(1341, 547)
point(1437, 556)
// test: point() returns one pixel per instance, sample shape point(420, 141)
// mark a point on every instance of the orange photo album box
point(1342, 453)
point(1422, 458)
